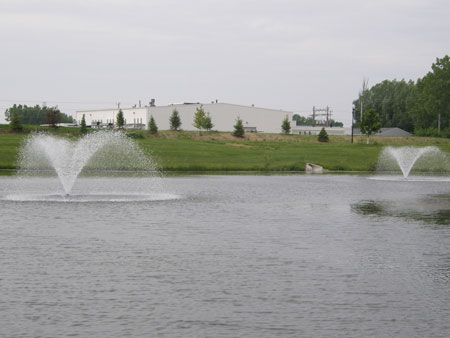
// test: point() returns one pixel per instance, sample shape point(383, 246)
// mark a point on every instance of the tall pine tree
point(152, 127)
point(120, 121)
point(83, 127)
point(238, 128)
point(175, 121)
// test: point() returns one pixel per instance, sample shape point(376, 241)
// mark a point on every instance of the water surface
point(226, 256)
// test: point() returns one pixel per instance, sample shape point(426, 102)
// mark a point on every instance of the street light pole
point(353, 119)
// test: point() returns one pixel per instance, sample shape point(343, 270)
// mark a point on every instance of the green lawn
point(9, 149)
point(175, 154)
point(187, 151)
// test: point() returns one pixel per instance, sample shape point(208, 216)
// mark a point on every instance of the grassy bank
point(214, 151)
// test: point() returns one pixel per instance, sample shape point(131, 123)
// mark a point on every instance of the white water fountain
point(426, 159)
point(98, 154)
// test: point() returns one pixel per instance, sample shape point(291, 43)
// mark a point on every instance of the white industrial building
point(223, 116)
point(310, 130)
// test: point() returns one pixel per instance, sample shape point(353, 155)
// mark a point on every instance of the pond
point(225, 256)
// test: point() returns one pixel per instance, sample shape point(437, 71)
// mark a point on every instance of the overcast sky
point(283, 54)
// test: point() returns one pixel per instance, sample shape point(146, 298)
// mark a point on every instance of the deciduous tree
point(34, 115)
point(286, 126)
point(432, 103)
point(53, 117)
point(370, 123)
point(422, 106)
point(15, 124)
point(199, 119)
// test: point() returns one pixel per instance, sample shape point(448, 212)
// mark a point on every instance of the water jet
point(425, 159)
point(97, 154)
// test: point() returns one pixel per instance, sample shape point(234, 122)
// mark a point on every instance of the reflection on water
point(433, 209)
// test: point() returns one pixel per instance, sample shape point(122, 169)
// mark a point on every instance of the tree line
point(308, 121)
point(37, 115)
point(421, 107)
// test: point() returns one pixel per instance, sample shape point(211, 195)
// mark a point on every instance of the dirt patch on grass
point(239, 145)
point(301, 139)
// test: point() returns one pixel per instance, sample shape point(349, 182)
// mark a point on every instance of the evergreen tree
point(238, 128)
point(83, 127)
point(175, 121)
point(286, 126)
point(370, 123)
point(152, 127)
point(120, 121)
point(15, 124)
point(323, 136)
point(207, 123)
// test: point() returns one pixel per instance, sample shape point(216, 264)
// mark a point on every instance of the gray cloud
point(279, 54)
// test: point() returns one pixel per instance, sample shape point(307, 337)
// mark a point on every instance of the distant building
point(392, 132)
point(310, 130)
point(223, 116)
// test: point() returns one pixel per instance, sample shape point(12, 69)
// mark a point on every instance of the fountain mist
point(103, 150)
point(406, 158)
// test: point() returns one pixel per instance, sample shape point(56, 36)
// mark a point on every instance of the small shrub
point(323, 136)
point(135, 135)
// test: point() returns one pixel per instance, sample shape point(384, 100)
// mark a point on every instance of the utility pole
point(314, 116)
point(439, 123)
point(364, 88)
point(324, 113)
point(360, 118)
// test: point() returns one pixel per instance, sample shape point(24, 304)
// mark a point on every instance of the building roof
point(206, 105)
point(386, 132)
